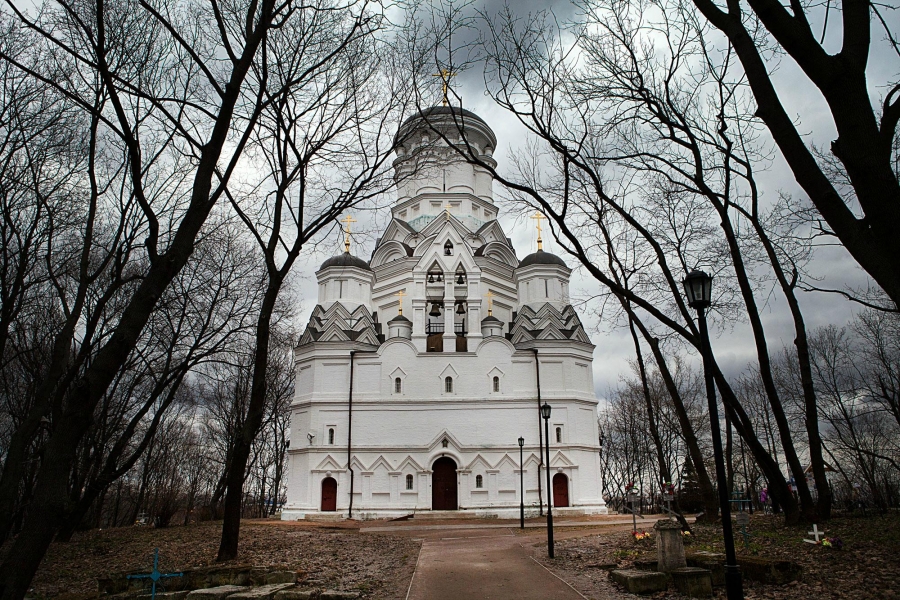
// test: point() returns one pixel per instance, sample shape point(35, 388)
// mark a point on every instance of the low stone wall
point(201, 578)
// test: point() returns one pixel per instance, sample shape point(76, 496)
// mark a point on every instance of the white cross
point(816, 534)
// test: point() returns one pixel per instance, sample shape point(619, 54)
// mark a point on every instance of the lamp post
point(545, 412)
point(698, 289)
point(521, 487)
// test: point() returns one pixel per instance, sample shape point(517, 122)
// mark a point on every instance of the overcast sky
point(733, 346)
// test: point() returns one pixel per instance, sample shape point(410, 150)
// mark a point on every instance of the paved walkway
point(496, 566)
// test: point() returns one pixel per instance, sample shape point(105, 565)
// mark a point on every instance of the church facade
point(422, 367)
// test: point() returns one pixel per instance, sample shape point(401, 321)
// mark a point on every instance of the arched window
point(398, 385)
point(479, 481)
point(409, 482)
point(448, 385)
point(448, 248)
point(496, 384)
point(559, 435)
point(331, 436)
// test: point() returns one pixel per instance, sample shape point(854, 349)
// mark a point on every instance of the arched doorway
point(329, 495)
point(560, 490)
point(443, 484)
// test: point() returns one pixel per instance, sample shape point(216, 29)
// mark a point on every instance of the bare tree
point(861, 208)
point(322, 147)
point(171, 94)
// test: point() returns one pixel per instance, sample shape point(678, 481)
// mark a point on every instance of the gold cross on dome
point(445, 75)
point(537, 216)
point(490, 296)
point(348, 220)
point(400, 295)
point(447, 208)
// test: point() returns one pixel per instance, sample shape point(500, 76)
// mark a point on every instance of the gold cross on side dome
point(539, 217)
point(447, 208)
point(400, 295)
point(347, 220)
point(445, 75)
point(490, 296)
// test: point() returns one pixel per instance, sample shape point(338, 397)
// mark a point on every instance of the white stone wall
point(399, 434)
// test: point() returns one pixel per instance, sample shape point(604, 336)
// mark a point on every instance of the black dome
point(491, 318)
point(443, 110)
point(542, 258)
point(400, 318)
point(345, 260)
point(437, 115)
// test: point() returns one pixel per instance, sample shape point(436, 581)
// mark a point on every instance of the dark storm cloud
point(832, 267)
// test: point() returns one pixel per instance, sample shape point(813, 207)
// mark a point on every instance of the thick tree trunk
point(256, 409)
point(664, 473)
point(778, 487)
point(862, 148)
point(707, 491)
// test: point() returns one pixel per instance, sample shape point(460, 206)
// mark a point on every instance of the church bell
point(435, 311)
point(460, 280)
point(460, 308)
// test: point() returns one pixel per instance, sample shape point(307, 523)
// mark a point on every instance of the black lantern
point(545, 410)
point(698, 289)
point(435, 311)
point(521, 442)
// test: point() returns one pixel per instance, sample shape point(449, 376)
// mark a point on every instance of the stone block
point(692, 581)
point(640, 582)
point(209, 577)
point(712, 562)
point(338, 595)
point(282, 577)
point(215, 593)
point(766, 570)
point(645, 564)
point(263, 592)
point(669, 545)
point(179, 595)
point(297, 594)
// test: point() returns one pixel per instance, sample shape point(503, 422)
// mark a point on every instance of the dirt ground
point(334, 556)
point(381, 565)
point(868, 566)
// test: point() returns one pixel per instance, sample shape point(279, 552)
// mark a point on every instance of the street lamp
point(545, 412)
point(698, 289)
point(521, 487)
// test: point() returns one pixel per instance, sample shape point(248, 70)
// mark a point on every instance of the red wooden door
point(443, 485)
point(560, 490)
point(329, 495)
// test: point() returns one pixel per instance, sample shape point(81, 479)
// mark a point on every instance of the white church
point(422, 367)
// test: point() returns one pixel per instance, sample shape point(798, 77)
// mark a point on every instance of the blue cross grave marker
point(154, 576)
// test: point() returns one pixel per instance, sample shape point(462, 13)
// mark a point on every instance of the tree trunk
point(234, 491)
point(707, 491)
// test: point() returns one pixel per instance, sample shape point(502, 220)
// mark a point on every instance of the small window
point(496, 384)
point(331, 436)
point(546, 289)
point(448, 248)
point(479, 481)
point(559, 435)
point(409, 482)
point(398, 385)
point(448, 385)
